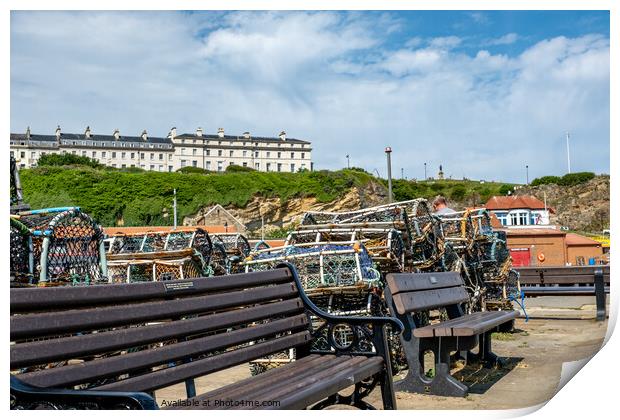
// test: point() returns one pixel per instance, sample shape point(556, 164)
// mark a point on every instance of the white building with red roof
point(519, 211)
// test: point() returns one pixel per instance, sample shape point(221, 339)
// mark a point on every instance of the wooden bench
point(409, 296)
point(113, 346)
point(567, 281)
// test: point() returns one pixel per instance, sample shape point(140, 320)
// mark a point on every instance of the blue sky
point(482, 93)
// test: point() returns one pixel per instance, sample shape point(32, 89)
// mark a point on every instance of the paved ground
point(562, 329)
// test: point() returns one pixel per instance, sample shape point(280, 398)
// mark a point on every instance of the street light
point(388, 153)
point(348, 165)
point(425, 171)
point(527, 175)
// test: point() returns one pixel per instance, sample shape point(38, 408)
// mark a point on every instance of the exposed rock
point(583, 207)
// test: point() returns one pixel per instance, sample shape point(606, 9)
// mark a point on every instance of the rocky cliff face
point(281, 214)
point(583, 207)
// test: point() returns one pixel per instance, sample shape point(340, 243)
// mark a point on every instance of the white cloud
point(507, 39)
point(327, 77)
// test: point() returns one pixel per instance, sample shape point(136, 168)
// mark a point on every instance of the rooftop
point(516, 202)
point(575, 240)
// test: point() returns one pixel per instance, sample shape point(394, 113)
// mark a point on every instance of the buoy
point(541, 257)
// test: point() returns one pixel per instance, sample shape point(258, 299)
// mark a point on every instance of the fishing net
point(20, 254)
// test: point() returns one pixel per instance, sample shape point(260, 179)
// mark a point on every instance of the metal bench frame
point(369, 344)
point(410, 294)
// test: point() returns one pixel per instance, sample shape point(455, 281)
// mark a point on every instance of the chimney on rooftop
point(283, 135)
point(220, 132)
point(199, 132)
point(144, 135)
point(28, 133)
point(116, 134)
point(87, 132)
point(246, 135)
point(58, 133)
point(173, 133)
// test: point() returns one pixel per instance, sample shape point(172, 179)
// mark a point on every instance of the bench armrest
point(28, 397)
point(396, 324)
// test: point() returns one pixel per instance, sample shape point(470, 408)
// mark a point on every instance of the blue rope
point(521, 303)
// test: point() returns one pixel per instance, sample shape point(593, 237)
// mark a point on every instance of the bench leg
point(485, 354)
point(441, 384)
point(356, 399)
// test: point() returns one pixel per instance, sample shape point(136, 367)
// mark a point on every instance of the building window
point(83, 152)
point(523, 218)
point(245, 164)
point(208, 152)
point(169, 168)
point(513, 219)
point(195, 163)
point(219, 153)
point(279, 167)
point(183, 163)
point(32, 155)
point(194, 152)
point(231, 163)
point(123, 166)
point(268, 166)
point(268, 154)
point(114, 155)
point(161, 168)
point(114, 165)
point(152, 156)
point(220, 166)
point(245, 153)
point(161, 156)
point(152, 167)
point(94, 154)
point(257, 166)
point(255, 154)
point(230, 154)
point(22, 155)
point(208, 165)
point(182, 150)
point(292, 167)
point(502, 217)
point(123, 154)
point(292, 155)
point(303, 155)
point(133, 155)
point(279, 154)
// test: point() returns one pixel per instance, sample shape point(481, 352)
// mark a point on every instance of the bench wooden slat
point(565, 279)
point(409, 282)
point(45, 351)
point(162, 378)
point(69, 297)
point(52, 323)
point(467, 325)
point(126, 363)
point(429, 299)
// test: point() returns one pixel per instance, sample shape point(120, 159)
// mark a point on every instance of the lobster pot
point(481, 223)
point(21, 264)
point(135, 271)
point(195, 239)
point(67, 246)
point(233, 243)
point(384, 245)
point(321, 266)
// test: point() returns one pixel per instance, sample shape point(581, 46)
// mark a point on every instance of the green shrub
point(193, 170)
point(576, 178)
point(55, 159)
point(458, 192)
point(505, 189)
point(550, 179)
point(237, 168)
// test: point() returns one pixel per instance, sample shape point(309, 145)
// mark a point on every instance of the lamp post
point(174, 207)
point(568, 150)
point(527, 175)
point(402, 173)
point(388, 153)
point(348, 165)
point(425, 171)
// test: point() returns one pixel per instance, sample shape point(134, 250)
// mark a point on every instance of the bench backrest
point(146, 336)
point(413, 292)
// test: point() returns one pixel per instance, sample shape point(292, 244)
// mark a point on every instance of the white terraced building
point(214, 152)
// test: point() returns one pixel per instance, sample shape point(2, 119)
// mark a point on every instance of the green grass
point(143, 198)
point(502, 336)
point(462, 192)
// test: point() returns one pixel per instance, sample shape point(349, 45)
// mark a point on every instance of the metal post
point(527, 175)
point(425, 171)
point(599, 291)
point(402, 173)
point(174, 207)
point(568, 150)
point(348, 164)
point(388, 152)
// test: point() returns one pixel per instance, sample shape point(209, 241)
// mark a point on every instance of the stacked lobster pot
point(229, 250)
point(157, 256)
point(483, 258)
point(56, 246)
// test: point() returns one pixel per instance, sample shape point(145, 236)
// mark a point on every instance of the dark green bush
point(550, 179)
point(505, 189)
point(237, 168)
point(67, 159)
point(193, 170)
point(458, 192)
point(576, 178)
